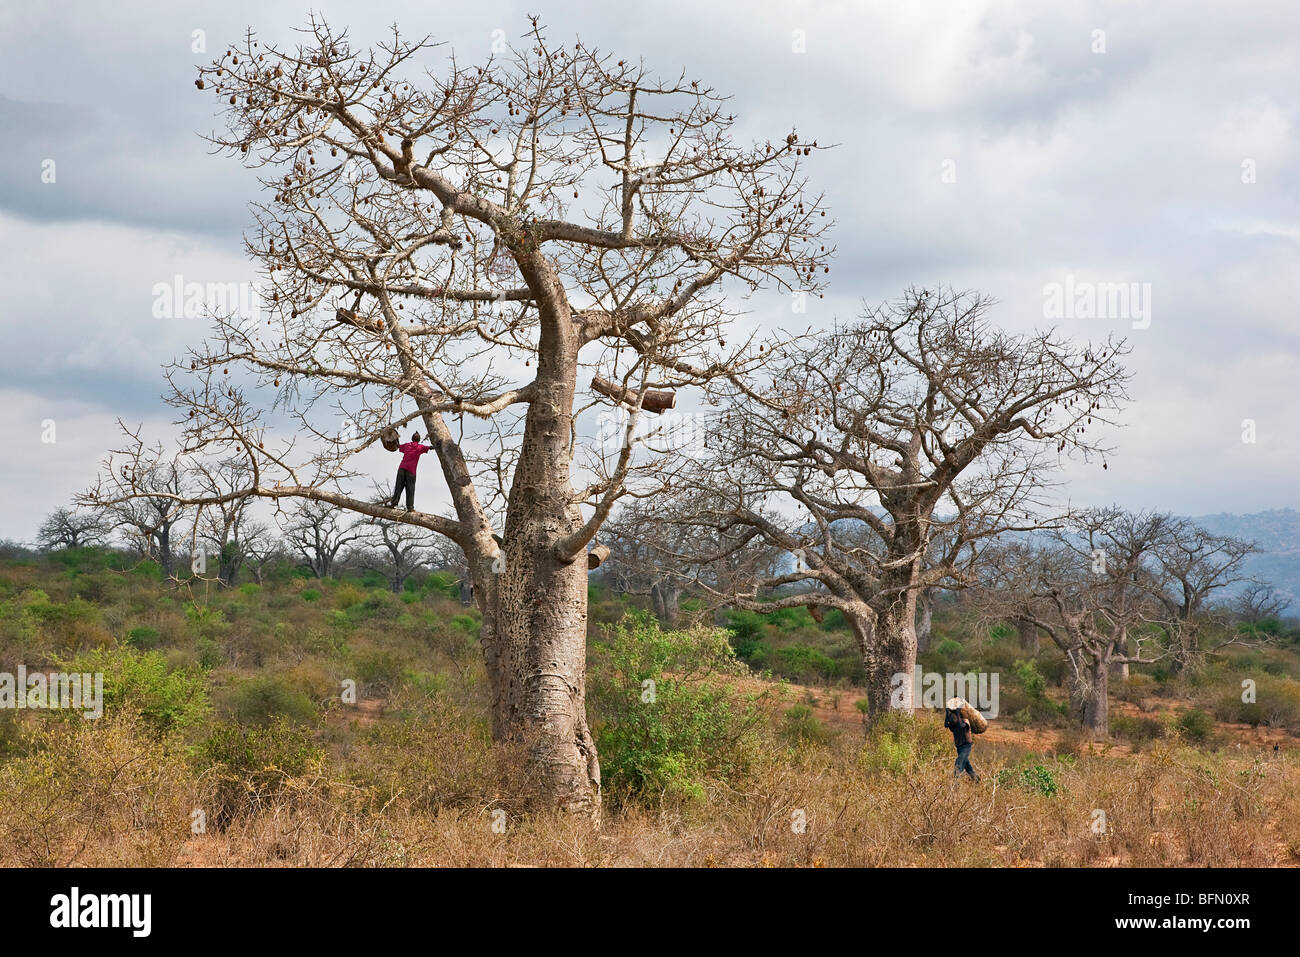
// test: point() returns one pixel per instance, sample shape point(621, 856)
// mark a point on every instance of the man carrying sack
point(964, 722)
point(411, 452)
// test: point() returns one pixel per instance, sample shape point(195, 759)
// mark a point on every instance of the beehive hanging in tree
point(655, 400)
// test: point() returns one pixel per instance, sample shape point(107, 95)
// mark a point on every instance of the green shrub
point(379, 671)
point(143, 638)
point(52, 613)
point(210, 654)
point(803, 663)
point(899, 743)
point(466, 623)
point(1196, 725)
point(1032, 682)
point(1033, 778)
point(1137, 730)
point(746, 630)
point(799, 725)
point(167, 699)
point(666, 719)
point(346, 595)
point(789, 619)
point(309, 594)
point(248, 764)
point(443, 583)
point(265, 699)
point(206, 621)
point(948, 648)
point(745, 624)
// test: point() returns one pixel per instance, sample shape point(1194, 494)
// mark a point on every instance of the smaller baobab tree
point(222, 518)
point(261, 549)
point(72, 528)
point(1258, 602)
point(645, 559)
point(886, 453)
point(394, 549)
point(318, 532)
point(1091, 586)
point(151, 516)
point(1194, 565)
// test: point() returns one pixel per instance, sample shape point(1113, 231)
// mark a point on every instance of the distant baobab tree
point(886, 454)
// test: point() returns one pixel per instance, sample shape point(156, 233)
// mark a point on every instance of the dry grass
point(109, 794)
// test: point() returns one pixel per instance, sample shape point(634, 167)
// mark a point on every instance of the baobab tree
point(1091, 585)
point(318, 532)
point(1258, 601)
point(450, 246)
point(151, 517)
point(72, 528)
point(882, 456)
point(646, 559)
point(222, 516)
point(1195, 564)
point(394, 549)
point(260, 549)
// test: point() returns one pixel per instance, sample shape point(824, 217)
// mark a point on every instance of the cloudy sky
point(998, 146)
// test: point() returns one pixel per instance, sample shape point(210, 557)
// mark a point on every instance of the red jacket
point(411, 452)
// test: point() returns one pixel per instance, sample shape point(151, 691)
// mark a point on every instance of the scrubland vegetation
point(226, 738)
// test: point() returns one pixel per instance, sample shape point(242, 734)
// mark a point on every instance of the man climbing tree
point(442, 242)
point(411, 452)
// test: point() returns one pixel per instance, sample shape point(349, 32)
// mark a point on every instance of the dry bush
point(94, 793)
point(820, 807)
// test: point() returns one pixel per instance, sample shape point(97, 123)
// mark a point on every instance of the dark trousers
point(405, 480)
point(963, 763)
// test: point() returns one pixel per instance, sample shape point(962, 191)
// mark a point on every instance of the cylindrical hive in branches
point(656, 400)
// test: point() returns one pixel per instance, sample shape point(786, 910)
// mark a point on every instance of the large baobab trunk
point(889, 655)
point(535, 639)
point(1090, 693)
point(1096, 701)
point(537, 644)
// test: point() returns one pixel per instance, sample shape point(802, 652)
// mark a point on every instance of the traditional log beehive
point(978, 723)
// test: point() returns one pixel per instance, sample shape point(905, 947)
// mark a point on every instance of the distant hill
point(1277, 533)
